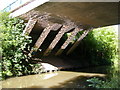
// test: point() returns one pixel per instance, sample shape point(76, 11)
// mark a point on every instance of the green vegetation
point(103, 46)
point(13, 43)
point(113, 82)
point(99, 47)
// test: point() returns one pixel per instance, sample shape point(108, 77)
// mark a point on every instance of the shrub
point(14, 62)
point(99, 47)
point(114, 82)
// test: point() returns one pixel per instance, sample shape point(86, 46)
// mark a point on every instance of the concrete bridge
point(47, 22)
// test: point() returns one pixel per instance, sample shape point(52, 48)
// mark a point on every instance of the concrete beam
point(31, 23)
point(26, 7)
point(70, 38)
point(78, 41)
point(44, 35)
point(57, 38)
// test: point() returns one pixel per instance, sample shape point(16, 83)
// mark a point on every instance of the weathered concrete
point(31, 23)
point(87, 14)
point(78, 41)
point(57, 38)
point(69, 39)
point(44, 35)
point(83, 15)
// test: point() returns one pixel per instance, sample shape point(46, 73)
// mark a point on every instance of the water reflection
point(49, 75)
point(49, 80)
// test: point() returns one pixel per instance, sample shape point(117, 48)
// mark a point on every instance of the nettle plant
point(13, 42)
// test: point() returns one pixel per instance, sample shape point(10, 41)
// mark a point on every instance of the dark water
point(60, 79)
point(99, 69)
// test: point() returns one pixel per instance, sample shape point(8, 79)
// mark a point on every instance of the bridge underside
point(95, 14)
point(43, 37)
point(49, 23)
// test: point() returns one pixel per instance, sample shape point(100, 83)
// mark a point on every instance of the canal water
point(60, 79)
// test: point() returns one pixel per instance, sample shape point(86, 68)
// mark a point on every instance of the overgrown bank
point(13, 43)
point(99, 47)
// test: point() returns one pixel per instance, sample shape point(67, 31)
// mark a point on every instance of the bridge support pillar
point(69, 39)
point(78, 41)
point(44, 35)
point(31, 23)
point(57, 38)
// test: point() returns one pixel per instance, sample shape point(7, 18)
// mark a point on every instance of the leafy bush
point(105, 44)
point(114, 82)
point(14, 62)
point(99, 47)
point(95, 82)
